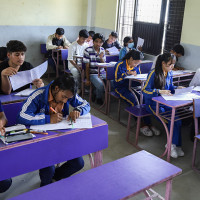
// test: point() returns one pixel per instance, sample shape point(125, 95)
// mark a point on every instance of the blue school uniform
point(121, 84)
point(149, 91)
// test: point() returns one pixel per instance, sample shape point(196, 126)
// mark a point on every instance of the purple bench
point(138, 111)
point(119, 179)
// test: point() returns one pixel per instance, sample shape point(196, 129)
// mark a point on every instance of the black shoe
point(99, 101)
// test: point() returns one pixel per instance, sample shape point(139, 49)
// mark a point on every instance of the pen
point(52, 110)
point(35, 132)
point(72, 123)
point(18, 132)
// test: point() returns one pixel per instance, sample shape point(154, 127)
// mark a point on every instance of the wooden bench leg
point(137, 130)
point(98, 158)
point(91, 160)
point(194, 153)
point(119, 105)
point(128, 127)
point(168, 189)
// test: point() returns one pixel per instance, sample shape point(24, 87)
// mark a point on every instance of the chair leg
point(119, 106)
point(128, 127)
point(90, 96)
point(137, 130)
point(194, 153)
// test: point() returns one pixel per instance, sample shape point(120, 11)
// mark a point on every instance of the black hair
point(179, 49)
point(16, 46)
point(3, 53)
point(126, 40)
point(114, 34)
point(159, 80)
point(83, 33)
point(135, 55)
point(91, 33)
point(65, 82)
point(98, 36)
point(60, 31)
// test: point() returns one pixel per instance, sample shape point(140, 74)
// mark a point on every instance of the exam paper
point(110, 64)
point(25, 93)
point(197, 88)
point(15, 128)
point(138, 76)
point(140, 42)
point(25, 77)
point(83, 121)
point(183, 90)
point(113, 51)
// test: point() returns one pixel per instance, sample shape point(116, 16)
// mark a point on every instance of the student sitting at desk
point(77, 49)
point(89, 40)
point(128, 46)
point(160, 81)
point(129, 66)
point(112, 41)
point(36, 110)
point(15, 63)
point(92, 56)
point(57, 40)
point(5, 184)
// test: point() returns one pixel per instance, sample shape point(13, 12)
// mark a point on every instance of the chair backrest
point(11, 111)
point(64, 54)
point(110, 75)
point(145, 68)
point(196, 106)
point(43, 49)
point(112, 58)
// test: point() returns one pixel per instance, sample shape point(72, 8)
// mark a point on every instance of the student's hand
point(180, 87)
point(107, 52)
point(73, 115)
point(101, 55)
point(66, 47)
point(172, 67)
point(55, 118)
point(132, 73)
point(38, 83)
point(60, 47)
point(140, 48)
point(9, 71)
point(2, 128)
point(166, 92)
point(87, 83)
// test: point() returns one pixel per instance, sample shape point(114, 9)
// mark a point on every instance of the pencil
point(35, 132)
point(52, 110)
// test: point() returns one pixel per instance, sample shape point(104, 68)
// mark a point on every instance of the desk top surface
point(11, 98)
point(114, 180)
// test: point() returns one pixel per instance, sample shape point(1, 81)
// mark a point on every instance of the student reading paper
point(15, 63)
point(36, 110)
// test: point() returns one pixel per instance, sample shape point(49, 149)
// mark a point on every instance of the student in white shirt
point(76, 49)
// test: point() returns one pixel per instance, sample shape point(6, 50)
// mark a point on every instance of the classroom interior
point(33, 21)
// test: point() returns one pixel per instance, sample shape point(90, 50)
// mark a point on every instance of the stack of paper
point(83, 121)
point(138, 76)
point(110, 64)
point(113, 51)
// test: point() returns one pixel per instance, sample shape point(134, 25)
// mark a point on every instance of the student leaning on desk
point(160, 81)
point(36, 110)
point(5, 184)
point(15, 63)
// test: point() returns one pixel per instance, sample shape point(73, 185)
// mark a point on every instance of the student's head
point(59, 33)
point(178, 50)
point(91, 35)
point(16, 52)
point(63, 88)
point(128, 40)
point(3, 54)
point(133, 58)
point(162, 67)
point(83, 35)
point(98, 40)
point(112, 37)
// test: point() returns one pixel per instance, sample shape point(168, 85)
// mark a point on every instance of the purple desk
point(120, 179)
point(22, 157)
point(56, 55)
point(11, 98)
point(112, 58)
point(180, 109)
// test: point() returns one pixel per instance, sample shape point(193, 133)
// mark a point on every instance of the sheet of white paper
point(178, 72)
point(83, 121)
point(20, 79)
point(25, 93)
point(188, 71)
point(138, 76)
point(25, 77)
point(38, 71)
point(140, 42)
point(197, 88)
point(113, 51)
point(110, 64)
point(181, 97)
point(146, 61)
point(184, 90)
point(15, 128)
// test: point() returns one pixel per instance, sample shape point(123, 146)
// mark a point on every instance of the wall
point(190, 35)
point(33, 21)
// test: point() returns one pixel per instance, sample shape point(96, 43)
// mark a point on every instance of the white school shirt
point(75, 49)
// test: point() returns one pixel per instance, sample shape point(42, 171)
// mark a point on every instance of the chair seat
point(138, 111)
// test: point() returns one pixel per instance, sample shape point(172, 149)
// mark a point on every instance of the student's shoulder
point(151, 74)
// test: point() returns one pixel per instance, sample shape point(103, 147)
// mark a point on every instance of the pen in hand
point(52, 110)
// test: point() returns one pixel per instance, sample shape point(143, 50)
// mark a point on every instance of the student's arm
point(117, 45)
point(102, 57)
point(49, 44)
point(120, 72)
point(30, 113)
point(66, 43)
point(6, 87)
point(86, 60)
point(3, 121)
point(122, 53)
